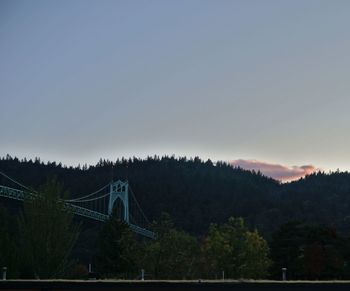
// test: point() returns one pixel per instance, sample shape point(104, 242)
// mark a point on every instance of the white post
point(4, 270)
point(142, 274)
point(284, 274)
point(223, 275)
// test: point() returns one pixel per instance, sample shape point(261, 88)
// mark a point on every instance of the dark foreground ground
point(108, 285)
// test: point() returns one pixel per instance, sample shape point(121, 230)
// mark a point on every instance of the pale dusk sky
point(254, 82)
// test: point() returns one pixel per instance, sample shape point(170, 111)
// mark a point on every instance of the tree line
point(38, 243)
point(197, 193)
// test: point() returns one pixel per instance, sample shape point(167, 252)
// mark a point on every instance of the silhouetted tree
point(48, 233)
point(233, 249)
point(9, 251)
point(308, 252)
point(116, 250)
point(173, 254)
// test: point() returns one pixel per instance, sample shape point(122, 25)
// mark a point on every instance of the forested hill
point(196, 193)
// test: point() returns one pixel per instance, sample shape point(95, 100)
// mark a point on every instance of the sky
point(260, 84)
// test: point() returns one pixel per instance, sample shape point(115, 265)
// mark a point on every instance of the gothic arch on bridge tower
point(118, 194)
point(119, 209)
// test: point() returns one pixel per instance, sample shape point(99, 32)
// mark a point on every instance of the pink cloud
point(276, 171)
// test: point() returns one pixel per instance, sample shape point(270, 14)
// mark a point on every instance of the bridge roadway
point(109, 285)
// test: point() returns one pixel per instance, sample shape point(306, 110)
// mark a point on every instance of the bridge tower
point(119, 190)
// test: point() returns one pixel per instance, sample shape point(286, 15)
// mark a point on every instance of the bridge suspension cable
point(138, 206)
point(87, 196)
point(79, 199)
point(17, 183)
point(88, 200)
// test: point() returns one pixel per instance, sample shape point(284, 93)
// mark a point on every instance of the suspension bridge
point(99, 205)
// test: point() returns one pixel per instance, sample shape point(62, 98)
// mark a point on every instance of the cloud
point(276, 171)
